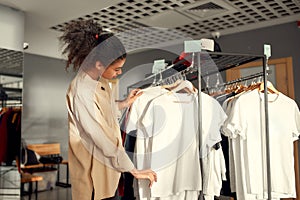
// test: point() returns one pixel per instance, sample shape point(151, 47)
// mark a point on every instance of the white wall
point(43, 41)
point(44, 117)
point(12, 28)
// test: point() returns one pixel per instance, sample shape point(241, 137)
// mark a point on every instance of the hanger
point(254, 85)
point(270, 87)
point(186, 86)
point(240, 89)
point(172, 85)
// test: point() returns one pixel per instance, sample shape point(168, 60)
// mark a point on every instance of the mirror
point(11, 84)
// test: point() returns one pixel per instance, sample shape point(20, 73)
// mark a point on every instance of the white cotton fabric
point(167, 137)
point(213, 162)
point(167, 142)
point(245, 127)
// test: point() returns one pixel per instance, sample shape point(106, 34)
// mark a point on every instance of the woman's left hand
point(133, 95)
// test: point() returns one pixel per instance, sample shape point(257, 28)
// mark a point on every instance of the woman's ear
point(99, 67)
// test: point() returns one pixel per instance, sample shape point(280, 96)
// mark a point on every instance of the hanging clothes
point(245, 128)
point(10, 134)
point(211, 153)
point(13, 135)
point(3, 136)
point(167, 141)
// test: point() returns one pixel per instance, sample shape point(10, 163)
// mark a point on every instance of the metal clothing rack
point(209, 63)
point(242, 79)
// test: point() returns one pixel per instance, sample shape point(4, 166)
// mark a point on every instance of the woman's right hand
point(145, 174)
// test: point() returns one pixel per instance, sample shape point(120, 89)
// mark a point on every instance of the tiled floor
point(9, 183)
point(10, 187)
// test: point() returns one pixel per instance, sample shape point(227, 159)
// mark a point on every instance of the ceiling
point(141, 23)
point(148, 23)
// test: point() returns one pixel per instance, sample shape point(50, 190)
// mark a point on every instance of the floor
point(58, 193)
point(9, 183)
point(10, 187)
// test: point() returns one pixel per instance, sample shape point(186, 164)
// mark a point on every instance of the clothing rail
point(212, 63)
point(178, 75)
point(245, 78)
point(167, 72)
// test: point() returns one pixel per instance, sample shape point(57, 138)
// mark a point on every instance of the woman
point(96, 155)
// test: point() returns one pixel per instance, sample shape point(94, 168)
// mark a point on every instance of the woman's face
point(113, 70)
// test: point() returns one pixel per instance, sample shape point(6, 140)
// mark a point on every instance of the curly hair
point(86, 38)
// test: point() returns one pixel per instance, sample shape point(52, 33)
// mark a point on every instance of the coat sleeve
point(98, 136)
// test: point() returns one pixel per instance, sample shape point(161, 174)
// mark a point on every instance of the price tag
point(267, 50)
point(207, 44)
point(158, 66)
point(193, 46)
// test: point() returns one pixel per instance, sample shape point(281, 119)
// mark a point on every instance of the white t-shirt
point(246, 126)
point(137, 111)
point(166, 142)
point(284, 129)
point(213, 162)
point(167, 127)
point(236, 154)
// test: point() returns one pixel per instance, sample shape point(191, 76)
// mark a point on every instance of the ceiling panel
point(11, 73)
point(11, 62)
point(144, 23)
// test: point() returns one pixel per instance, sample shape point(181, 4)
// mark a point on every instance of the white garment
point(167, 125)
point(213, 117)
point(284, 130)
point(166, 142)
point(246, 128)
point(214, 170)
point(236, 155)
point(213, 162)
point(137, 111)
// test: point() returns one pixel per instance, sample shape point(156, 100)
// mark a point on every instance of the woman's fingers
point(133, 95)
point(152, 177)
point(146, 174)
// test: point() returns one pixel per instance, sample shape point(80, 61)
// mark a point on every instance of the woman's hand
point(145, 174)
point(133, 95)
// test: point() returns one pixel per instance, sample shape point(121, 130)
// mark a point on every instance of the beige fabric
point(96, 155)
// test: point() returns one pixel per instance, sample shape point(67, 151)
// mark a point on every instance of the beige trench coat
point(96, 155)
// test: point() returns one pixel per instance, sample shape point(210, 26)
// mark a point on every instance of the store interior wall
point(46, 81)
point(44, 118)
point(12, 28)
